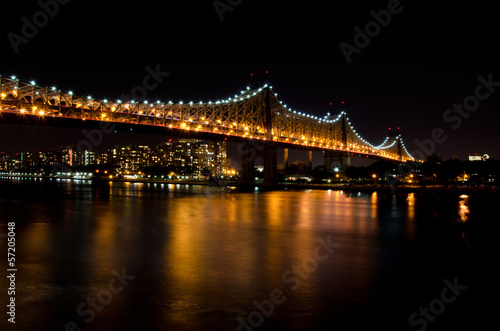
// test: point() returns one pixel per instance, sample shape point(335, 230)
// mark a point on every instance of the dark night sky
point(425, 60)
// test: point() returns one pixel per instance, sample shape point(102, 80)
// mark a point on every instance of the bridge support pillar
point(310, 160)
point(285, 160)
point(270, 165)
point(333, 159)
point(247, 164)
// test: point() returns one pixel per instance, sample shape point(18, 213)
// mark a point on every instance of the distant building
point(68, 157)
point(435, 158)
point(132, 158)
point(84, 158)
point(478, 157)
point(5, 162)
point(211, 155)
point(110, 157)
point(201, 155)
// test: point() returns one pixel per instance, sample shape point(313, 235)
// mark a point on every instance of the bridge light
point(53, 88)
point(33, 83)
point(70, 92)
point(105, 100)
point(88, 98)
point(118, 101)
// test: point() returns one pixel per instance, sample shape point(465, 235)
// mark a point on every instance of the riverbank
point(234, 184)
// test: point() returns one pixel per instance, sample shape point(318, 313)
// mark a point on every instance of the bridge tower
point(400, 152)
point(343, 159)
point(395, 138)
point(267, 150)
point(270, 148)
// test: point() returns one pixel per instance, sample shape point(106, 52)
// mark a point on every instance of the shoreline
point(285, 186)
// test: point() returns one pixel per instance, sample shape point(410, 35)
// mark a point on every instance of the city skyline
point(200, 156)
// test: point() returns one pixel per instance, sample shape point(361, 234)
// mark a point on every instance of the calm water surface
point(205, 258)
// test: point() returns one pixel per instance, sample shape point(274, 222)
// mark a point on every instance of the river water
point(144, 256)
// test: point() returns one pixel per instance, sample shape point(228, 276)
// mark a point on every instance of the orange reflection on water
point(374, 199)
point(411, 205)
point(463, 208)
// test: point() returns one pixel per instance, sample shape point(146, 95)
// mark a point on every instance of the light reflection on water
point(202, 255)
point(463, 208)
